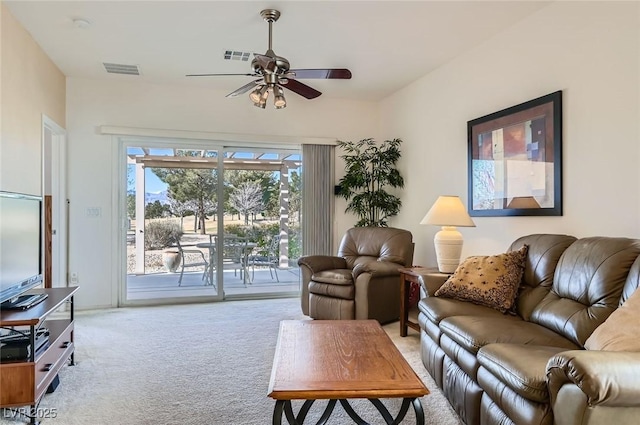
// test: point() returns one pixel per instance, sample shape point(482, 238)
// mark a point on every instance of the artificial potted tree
point(370, 169)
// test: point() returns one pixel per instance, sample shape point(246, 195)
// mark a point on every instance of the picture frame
point(515, 160)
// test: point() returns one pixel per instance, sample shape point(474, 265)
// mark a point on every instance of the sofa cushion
point(491, 281)
point(587, 286)
point(438, 308)
point(377, 243)
point(520, 367)
point(345, 292)
point(542, 258)
point(501, 405)
point(620, 332)
point(465, 360)
point(334, 277)
point(474, 332)
point(632, 283)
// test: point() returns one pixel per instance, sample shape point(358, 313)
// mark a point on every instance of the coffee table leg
point(384, 411)
point(417, 408)
point(277, 412)
point(327, 412)
point(302, 414)
point(390, 420)
point(286, 407)
point(352, 413)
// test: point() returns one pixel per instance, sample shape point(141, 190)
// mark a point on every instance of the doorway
point(210, 222)
point(55, 205)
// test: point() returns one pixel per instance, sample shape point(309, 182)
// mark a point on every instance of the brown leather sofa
point(361, 282)
point(531, 367)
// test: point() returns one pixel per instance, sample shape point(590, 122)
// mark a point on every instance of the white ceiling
point(385, 44)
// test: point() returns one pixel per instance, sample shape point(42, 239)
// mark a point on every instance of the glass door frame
point(125, 142)
point(248, 147)
point(221, 147)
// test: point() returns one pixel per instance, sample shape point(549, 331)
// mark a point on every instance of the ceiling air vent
point(234, 55)
point(116, 68)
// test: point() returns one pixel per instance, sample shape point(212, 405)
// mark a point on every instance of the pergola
point(206, 159)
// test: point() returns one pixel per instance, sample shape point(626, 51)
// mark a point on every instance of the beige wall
point(590, 51)
point(30, 85)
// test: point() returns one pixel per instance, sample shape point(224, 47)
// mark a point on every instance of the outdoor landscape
point(260, 230)
point(187, 210)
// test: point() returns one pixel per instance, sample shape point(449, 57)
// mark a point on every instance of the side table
point(409, 275)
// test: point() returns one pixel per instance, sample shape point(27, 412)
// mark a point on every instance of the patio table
point(211, 246)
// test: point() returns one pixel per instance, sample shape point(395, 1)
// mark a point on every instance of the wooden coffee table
point(337, 360)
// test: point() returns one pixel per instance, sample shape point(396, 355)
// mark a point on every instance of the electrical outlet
point(74, 278)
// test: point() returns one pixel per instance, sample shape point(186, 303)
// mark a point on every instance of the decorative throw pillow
point(620, 332)
point(492, 281)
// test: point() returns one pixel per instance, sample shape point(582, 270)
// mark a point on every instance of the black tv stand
point(23, 302)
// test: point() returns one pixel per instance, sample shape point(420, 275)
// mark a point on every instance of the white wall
point(590, 51)
point(92, 170)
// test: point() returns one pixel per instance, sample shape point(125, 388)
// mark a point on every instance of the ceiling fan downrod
point(271, 16)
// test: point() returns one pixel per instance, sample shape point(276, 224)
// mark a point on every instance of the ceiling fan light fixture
point(255, 95)
point(278, 100)
point(265, 93)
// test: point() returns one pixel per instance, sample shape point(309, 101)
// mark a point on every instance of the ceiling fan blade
point(301, 89)
point(218, 75)
point(244, 88)
point(338, 73)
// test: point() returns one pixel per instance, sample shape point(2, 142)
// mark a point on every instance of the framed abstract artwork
point(515, 160)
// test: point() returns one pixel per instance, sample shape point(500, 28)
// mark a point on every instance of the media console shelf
point(24, 383)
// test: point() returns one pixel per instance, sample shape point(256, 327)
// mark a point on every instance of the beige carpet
point(195, 364)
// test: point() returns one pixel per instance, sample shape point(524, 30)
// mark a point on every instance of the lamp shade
point(448, 211)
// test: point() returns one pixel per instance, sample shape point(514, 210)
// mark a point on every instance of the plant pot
point(171, 259)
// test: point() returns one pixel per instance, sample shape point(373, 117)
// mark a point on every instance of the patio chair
point(235, 256)
point(269, 256)
point(197, 263)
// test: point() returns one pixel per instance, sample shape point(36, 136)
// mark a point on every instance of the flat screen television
point(20, 246)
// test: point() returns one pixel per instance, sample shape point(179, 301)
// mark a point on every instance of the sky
point(152, 183)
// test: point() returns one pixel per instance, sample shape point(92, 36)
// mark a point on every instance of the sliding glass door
point(171, 195)
point(210, 222)
point(261, 222)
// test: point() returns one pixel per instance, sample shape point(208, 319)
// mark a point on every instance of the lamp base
point(448, 244)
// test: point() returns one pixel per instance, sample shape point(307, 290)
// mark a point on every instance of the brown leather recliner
point(362, 281)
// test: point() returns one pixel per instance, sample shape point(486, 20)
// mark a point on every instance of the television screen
point(20, 243)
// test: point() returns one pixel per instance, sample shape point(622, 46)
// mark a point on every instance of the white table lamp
point(448, 212)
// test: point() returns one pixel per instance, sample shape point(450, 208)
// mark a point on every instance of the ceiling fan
point(275, 74)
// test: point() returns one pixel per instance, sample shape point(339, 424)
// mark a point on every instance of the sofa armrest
point(607, 378)
point(377, 268)
point(318, 263)
point(310, 264)
point(431, 282)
